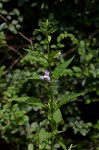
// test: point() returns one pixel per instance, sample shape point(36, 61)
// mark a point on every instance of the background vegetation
point(77, 24)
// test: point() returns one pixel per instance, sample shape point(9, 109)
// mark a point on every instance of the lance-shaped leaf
point(35, 77)
point(57, 116)
point(62, 144)
point(29, 100)
point(43, 135)
point(36, 52)
point(54, 54)
point(58, 71)
point(49, 39)
point(69, 97)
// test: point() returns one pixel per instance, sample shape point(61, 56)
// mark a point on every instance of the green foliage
point(30, 147)
point(2, 39)
point(69, 97)
point(11, 120)
point(35, 57)
point(57, 116)
point(12, 20)
point(79, 126)
point(59, 70)
point(31, 101)
point(44, 136)
point(65, 35)
point(63, 145)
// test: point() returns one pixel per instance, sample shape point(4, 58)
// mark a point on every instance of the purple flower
point(46, 76)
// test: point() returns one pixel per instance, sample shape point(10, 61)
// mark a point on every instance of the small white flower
point(59, 53)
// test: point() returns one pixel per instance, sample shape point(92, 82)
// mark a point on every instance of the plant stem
point(52, 125)
point(51, 92)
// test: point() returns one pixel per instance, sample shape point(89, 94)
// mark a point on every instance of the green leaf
point(4, 12)
point(62, 145)
point(34, 102)
point(54, 54)
point(58, 71)
point(52, 30)
point(14, 22)
point(35, 77)
point(30, 147)
point(34, 126)
point(3, 26)
point(60, 45)
point(53, 46)
point(16, 11)
point(43, 135)
point(1, 5)
point(57, 132)
point(29, 100)
point(72, 146)
point(46, 23)
point(37, 52)
point(12, 28)
point(77, 69)
point(69, 97)
point(43, 31)
point(49, 38)
point(57, 116)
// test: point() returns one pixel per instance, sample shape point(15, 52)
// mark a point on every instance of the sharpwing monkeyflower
point(46, 76)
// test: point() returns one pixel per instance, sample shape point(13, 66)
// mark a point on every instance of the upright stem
point(51, 90)
point(52, 125)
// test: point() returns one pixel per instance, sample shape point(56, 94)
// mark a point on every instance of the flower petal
point(46, 73)
point(48, 79)
point(41, 77)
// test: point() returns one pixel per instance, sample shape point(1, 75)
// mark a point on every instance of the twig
point(21, 34)
point(93, 34)
point(70, 51)
point(27, 39)
point(14, 50)
point(1, 16)
point(2, 60)
point(13, 64)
